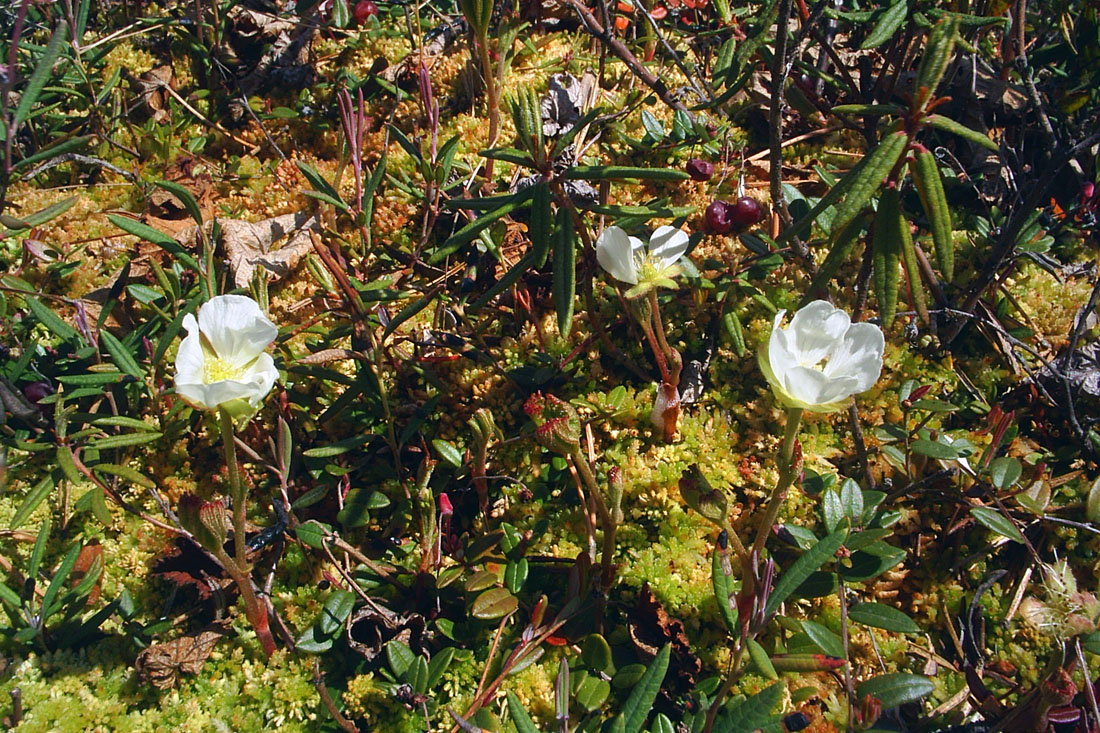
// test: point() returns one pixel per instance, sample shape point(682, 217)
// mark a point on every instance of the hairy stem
point(786, 476)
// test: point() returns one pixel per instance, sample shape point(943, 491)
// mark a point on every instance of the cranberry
point(363, 10)
point(35, 392)
point(745, 212)
point(699, 169)
point(718, 217)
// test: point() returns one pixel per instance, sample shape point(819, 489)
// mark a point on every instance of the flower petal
point(859, 355)
point(816, 331)
point(252, 387)
point(236, 328)
point(781, 355)
point(615, 255)
point(189, 356)
point(667, 245)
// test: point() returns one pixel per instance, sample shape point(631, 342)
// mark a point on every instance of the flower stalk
point(788, 467)
point(237, 566)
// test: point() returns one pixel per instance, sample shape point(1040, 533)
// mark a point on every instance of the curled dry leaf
point(651, 628)
point(276, 244)
point(162, 664)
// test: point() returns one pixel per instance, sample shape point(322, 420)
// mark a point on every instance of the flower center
point(216, 369)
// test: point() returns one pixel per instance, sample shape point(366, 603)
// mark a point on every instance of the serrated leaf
point(883, 617)
point(997, 522)
point(895, 689)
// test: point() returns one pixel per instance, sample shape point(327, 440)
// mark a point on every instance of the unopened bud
point(615, 492)
point(701, 496)
point(205, 521)
point(868, 710)
point(1058, 689)
point(666, 410)
point(557, 424)
point(445, 508)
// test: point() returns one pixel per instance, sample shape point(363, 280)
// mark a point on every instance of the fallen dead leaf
point(162, 664)
point(248, 245)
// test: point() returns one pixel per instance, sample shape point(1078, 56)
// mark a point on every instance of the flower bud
point(615, 493)
point(666, 410)
point(1058, 689)
point(702, 497)
point(557, 424)
point(206, 521)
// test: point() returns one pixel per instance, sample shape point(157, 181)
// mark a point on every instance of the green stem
point(786, 476)
point(237, 566)
point(236, 489)
point(610, 526)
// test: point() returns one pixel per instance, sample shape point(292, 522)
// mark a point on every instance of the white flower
point(628, 260)
point(822, 358)
point(222, 361)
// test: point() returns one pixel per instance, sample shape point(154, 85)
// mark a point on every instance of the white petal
point(859, 355)
point(806, 385)
point(780, 355)
point(817, 331)
point(668, 245)
point(837, 389)
point(236, 328)
point(261, 375)
point(189, 357)
point(615, 255)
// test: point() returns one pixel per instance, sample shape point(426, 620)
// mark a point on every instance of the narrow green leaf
point(887, 25)
point(130, 474)
point(43, 70)
point(50, 320)
point(886, 246)
point(721, 584)
point(565, 270)
point(439, 664)
point(998, 522)
point(448, 452)
point(937, 55)
point(926, 175)
point(540, 223)
point(32, 500)
point(622, 173)
point(895, 689)
point(734, 331)
point(59, 578)
point(508, 280)
point(411, 310)
point(761, 661)
point(883, 617)
point(185, 197)
point(43, 215)
point(157, 237)
point(949, 125)
point(824, 639)
point(471, 230)
point(856, 188)
point(803, 567)
point(868, 109)
point(123, 421)
point(519, 716)
point(122, 358)
point(636, 709)
point(39, 549)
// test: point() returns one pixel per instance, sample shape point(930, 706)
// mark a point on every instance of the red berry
point(718, 217)
point(745, 212)
point(699, 170)
point(35, 392)
point(363, 10)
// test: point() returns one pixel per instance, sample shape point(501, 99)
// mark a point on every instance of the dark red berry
point(745, 212)
point(35, 392)
point(718, 217)
point(363, 10)
point(699, 169)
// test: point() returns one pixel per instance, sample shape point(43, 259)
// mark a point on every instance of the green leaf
point(722, 585)
point(937, 55)
point(121, 441)
point(596, 653)
point(471, 230)
point(565, 270)
point(508, 280)
point(803, 567)
point(448, 452)
point(51, 320)
point(122, 358)
point(752, 713)
point(540, 223)
point(312, 533)
point(439, 664)
point(934, 449)
point(155, 236)
point(623, 173)
point(761, 660)
point(868, 109)
point(493, 604)
point(855, 189)
point(43, 215)
point(130, 474)
point(886, 246)
point(998, 522)
point(895, 689)
point(653, 126)
point(887, 25)
point(335, 612)
point(926, 176)
point(636, 709)
point(592, 692)
point(519, 716)
point(185, 197)
point(411, 310)
point(883, 617)
point(400, 657)
point(58, 581)
point(1004, 472)
point(732, 323)
point(31, 500)
point(843, 244)
point(824, 639)
point(43, 70)
point(949, 125)
point(39, 549)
